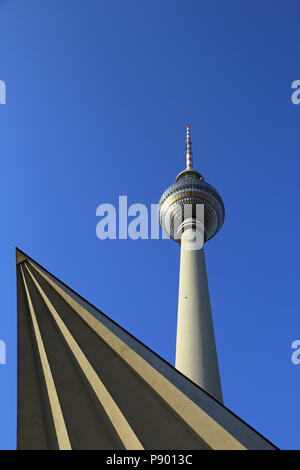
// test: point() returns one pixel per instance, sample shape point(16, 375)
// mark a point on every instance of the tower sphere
point(189, 190)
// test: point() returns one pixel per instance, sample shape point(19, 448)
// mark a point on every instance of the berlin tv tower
point(191, 212)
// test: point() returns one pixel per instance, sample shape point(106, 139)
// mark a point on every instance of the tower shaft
point(196, 355)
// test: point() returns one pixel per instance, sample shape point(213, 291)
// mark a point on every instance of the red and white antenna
point(188, 152)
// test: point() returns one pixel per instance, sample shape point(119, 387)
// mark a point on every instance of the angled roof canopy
point(86, 383)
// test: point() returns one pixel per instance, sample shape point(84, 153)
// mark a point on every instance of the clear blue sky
point(98, 97)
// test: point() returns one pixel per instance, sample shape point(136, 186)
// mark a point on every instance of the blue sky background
point(98, 97)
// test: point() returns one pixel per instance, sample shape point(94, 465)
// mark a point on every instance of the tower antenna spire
point(188, 151)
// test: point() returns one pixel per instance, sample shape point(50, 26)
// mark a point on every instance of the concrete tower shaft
point(196, 354)
point(183, 220)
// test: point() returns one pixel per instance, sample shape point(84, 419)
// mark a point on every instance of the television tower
point(191, 212)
